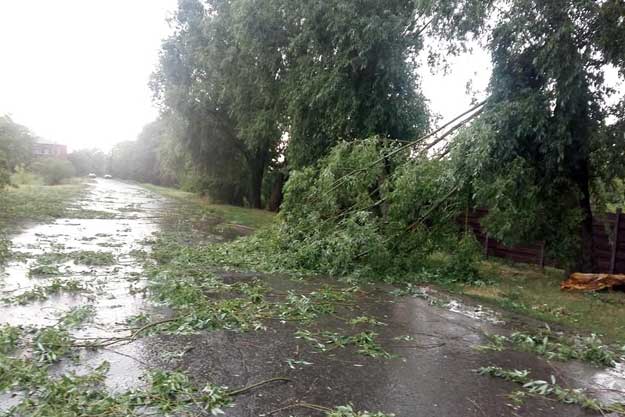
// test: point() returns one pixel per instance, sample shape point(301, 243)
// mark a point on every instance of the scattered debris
point(593, 282)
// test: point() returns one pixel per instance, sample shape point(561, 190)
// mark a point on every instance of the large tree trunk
point(257, 165)
point(586, 262)
point(256, 184)
point(275, 200)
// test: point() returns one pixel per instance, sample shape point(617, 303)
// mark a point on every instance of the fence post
point(541, 258)
point(617, 225)
point(486, 246)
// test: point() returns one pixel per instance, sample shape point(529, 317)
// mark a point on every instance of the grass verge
point(33, 203)
point(529, 291)
point(230, 214)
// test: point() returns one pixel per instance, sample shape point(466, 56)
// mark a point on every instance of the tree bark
point(257, 165)
point(586, 262)
point(256, 183)
point(275, 200)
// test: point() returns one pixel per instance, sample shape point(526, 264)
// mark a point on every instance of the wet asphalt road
point(112, 217)
point(433, 374)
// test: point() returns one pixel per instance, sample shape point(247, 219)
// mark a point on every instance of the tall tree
point(548, 134)
point(142, 159)
point(148, 144)
point(220, 71)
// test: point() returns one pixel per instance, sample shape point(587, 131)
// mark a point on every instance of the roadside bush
point(22, 176)
point(15, 147)
point(53, 170)
point(461, 266)
point(4, 170)
point(4, 249)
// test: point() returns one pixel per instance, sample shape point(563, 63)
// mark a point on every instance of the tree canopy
point(219, 77)
point(253, 93)
point(548, 138)
point(351, 74)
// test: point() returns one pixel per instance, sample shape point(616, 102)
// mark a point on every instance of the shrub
point(22, 176)
point(4, 170)
point(53, 170)
point(461, 266)
point(5, 250)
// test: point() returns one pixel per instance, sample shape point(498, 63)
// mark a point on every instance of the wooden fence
point(609, 243)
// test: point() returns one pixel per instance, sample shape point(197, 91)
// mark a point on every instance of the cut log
point(592, 282)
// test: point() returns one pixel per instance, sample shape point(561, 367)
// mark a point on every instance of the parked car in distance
point(108, 176)
point(92, 175)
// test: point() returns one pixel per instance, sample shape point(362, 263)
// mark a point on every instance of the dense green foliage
point(390, 215)
point(386, 227)
point(544, 146)
point(351, 74)
point(254, 83)
point(548, 139)
point(224, 90)
point(15, 148)
point(612, 194)
point(53, 170)
point(88, 161)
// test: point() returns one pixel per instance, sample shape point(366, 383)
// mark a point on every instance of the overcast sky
point(76, 71)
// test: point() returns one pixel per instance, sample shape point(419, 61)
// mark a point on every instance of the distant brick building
point(49, 150)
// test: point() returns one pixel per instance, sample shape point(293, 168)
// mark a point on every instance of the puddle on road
point(608, 385)
point(476, 312)
point(111, 289)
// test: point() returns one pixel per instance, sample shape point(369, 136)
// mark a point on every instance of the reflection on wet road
point(121, 220)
